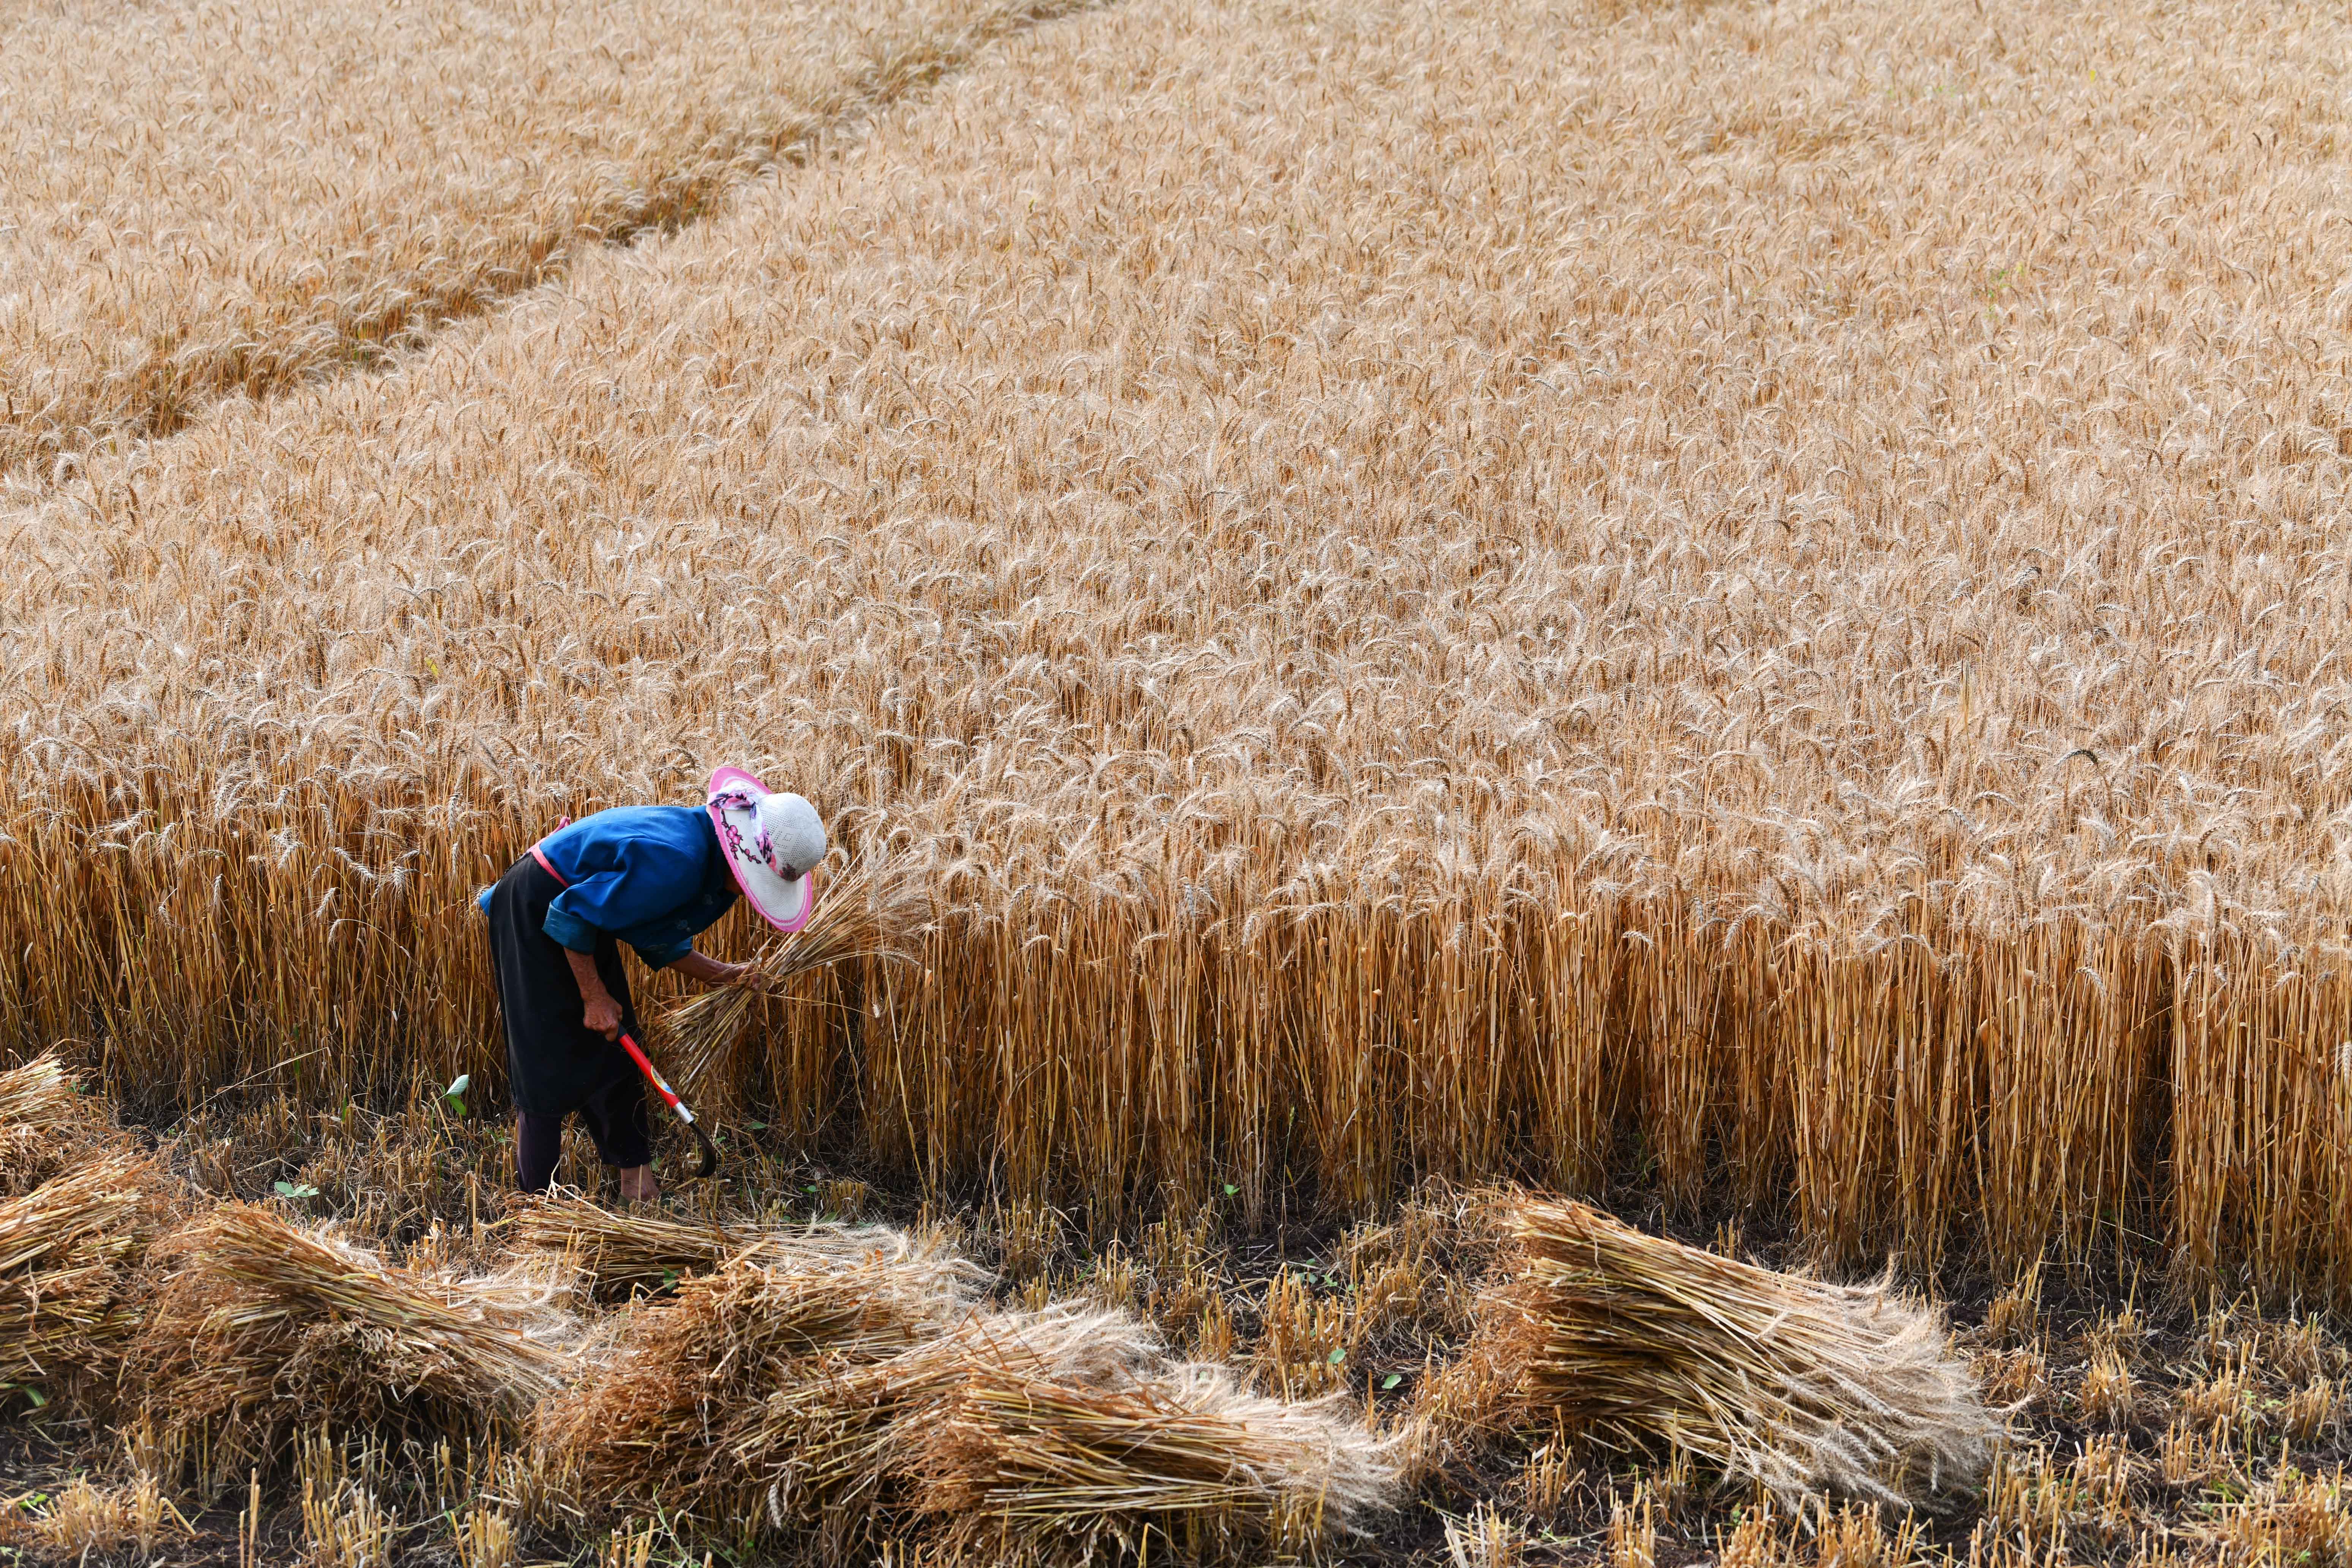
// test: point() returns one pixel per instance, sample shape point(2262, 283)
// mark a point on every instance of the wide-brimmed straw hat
point(772, 842)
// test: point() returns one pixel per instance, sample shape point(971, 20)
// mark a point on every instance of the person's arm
point(642, 883)
point(709, 971)
point(602, 1014)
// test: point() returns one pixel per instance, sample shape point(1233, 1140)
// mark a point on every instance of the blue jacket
point(652, 876)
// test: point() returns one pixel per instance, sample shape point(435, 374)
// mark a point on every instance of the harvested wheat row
point(1803, 1388)
point(1181, 1463)
point(68, 1250)
point(778, 1396)
point(265, 1329)
point(621, 1254)
point(652, 1424)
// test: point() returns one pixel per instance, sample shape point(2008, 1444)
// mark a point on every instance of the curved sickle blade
point(709, 1166)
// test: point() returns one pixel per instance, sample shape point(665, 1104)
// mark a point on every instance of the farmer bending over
point(652, 877)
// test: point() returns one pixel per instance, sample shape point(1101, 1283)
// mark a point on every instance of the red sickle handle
point(709, 1150)
point(645, 1066)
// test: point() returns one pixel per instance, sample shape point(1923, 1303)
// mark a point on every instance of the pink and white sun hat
point(772, 842)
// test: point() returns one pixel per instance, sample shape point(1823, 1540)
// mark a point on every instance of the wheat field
point(229, 198)
point(1743, 597)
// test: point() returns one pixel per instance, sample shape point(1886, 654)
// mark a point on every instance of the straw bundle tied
point(1027, 1469)
point(67, 1249)
point(622, 1253)
point(1802, 1386)
point(873, 911)
point(269, 1328)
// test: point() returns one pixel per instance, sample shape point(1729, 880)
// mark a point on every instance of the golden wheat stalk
point(265, 1328)
point(877, 910)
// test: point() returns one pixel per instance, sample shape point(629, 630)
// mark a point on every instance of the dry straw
point(67, 1251)
point(265, 1329)
point(621, 1254)
point(45, 1124)
point(1184, 1463)
point(38, 1093)
point(655, 1423)
point(1804, 1388)
point(776, 1399)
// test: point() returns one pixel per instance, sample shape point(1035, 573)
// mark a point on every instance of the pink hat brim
point(766, 892)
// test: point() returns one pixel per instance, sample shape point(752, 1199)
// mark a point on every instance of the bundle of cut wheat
point(835, 1455)
point(1804, 1387)
point(35, 1092)
point(674, 1406)
point(67, 1249)
point(1026, 1469)
point(44, 1125)
point(620, 1254)
point(268, 1327)
point(873, 911)
point(776, 1402)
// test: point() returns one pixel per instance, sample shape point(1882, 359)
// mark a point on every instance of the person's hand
point(603, 1014)
point(704, 970)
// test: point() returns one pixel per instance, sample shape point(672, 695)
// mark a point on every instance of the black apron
point(554, 1061)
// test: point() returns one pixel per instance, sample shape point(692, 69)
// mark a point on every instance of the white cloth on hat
point(772, 841)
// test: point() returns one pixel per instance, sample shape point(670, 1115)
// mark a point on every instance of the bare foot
point(638, 1186)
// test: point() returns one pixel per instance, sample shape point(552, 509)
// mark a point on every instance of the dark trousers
point(615, 1118)
point(556, 1065)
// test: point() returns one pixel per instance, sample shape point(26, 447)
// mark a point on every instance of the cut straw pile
point(68, 1250)
point(838, 1453)
point(874, 912)
point(269, 1328)
point(829, 1398)
point(44, 1125)
point(36, 1094)
point(825, 1387)
point(1026, 1469)
point(767, 1396)
point(620, 1254)
point(1802, 1387)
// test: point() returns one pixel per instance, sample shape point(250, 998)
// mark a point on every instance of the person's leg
point(538, 1006)
point(617, 1118)
point(626, 1139)
point(538, 1147)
